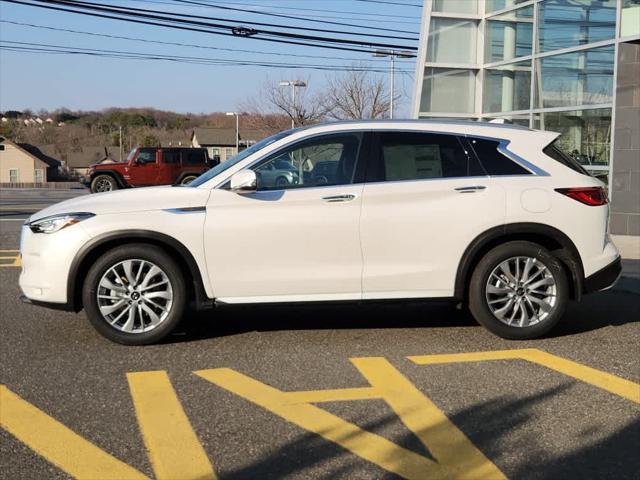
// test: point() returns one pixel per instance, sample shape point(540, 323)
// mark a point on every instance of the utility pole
point(392, 54)
point(293, 84)
point(237, 129)
point(120, 138)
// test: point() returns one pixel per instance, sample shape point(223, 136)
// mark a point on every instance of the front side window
point(328, 160)
point(146, 155)
point(421, 156)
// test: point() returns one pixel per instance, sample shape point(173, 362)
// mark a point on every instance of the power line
point(280, 15)
point(186, 18)
point(194, 29)
point(190, 45)
point(32, 47)
point(391, 3)
point(297, 8)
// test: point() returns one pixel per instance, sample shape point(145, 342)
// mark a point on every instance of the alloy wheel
point(521, 291)
point(103, 186)
point(134, 296)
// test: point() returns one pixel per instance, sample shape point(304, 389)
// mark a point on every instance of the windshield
point(131, 153)
point(218, 169)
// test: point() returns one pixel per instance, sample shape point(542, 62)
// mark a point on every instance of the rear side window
point(193, 157)
point(171, 156)
point(558, 155)
point(421, 156)
point(494, 162)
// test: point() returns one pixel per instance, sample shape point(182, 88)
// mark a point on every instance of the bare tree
point(275, 99)
point(356, 95)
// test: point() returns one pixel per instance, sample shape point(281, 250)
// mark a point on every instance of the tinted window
point(416, 156)
point(494, 162)
point(146, 155)
point(326, 160)
point(193, 157)
point(171, 156)
point(559, 156)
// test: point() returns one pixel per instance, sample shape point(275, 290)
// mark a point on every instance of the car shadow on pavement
point(596, 311)
point(496, 427)
point(232, 320)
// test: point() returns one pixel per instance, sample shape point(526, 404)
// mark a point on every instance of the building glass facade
point(546, 64)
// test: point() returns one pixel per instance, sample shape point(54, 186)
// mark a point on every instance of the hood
point(130, 200)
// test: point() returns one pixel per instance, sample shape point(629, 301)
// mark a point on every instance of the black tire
point(149, 253)
point(282, 181)
point(479, 304)
point(188, 179)
point(103, 183)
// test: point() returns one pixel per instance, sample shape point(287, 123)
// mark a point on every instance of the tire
point(542, 292)
point(167, 287)
point(103, 183)
point(282, 182)
point(188, 179)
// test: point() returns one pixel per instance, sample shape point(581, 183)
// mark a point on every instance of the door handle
point(339, 198)
point(470, 189)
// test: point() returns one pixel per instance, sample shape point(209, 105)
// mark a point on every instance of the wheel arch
point(545, 235)
point(97, 246)
point(113, 173)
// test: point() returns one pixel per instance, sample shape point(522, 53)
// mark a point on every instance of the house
point(221, 142)
point(78, 161)
point(26, 164)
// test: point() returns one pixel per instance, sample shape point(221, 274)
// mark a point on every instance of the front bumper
point(604, 278)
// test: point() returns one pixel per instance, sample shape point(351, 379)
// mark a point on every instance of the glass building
point(571, 66)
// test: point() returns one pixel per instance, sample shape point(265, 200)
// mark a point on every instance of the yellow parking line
point(455, 456)
point(57, 443)
point(174, 449)
point(606, 381)
point(15, 259)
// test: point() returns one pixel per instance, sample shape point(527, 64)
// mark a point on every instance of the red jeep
point(149, 166)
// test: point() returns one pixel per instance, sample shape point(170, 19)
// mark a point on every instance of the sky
point(78, 82)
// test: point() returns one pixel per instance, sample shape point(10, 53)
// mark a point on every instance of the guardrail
point(46, 185)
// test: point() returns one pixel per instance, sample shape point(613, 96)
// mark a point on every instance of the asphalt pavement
point(307, 392)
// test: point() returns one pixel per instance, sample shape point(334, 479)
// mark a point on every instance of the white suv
point(491, 215)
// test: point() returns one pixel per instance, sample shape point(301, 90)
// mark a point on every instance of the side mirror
point(244, 181)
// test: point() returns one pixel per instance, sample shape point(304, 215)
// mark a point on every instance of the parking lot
point(353, 392)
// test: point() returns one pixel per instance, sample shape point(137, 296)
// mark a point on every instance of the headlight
point(57, 222)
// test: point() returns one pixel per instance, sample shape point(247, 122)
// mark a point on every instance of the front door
point(144, 169)
point(296, 238)
point(426, 198)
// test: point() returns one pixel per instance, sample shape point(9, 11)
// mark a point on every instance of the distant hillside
point(65, 132)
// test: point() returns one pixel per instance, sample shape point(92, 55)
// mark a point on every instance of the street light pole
point(237, 130)
point(293, 84)
point(392, 54)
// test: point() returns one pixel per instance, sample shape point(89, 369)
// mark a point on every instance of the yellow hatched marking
point(174, 449)
point(415, 410)
point(59, 444)
point(10, 260)
point(606, 381)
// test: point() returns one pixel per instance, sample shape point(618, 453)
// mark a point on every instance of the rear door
point(169, 166)
point(426, 198)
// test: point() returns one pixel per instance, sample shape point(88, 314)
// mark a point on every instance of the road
point(373, 395)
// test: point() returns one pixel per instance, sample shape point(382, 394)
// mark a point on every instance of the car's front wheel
point(135, 294)
point(103, 183)
point(518, 290)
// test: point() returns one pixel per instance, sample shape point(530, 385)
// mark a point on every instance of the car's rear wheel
point(518, 290)
point(135, 294)
point(103, 183)
point(188, 179)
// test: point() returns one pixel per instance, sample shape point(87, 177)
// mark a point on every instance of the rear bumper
point(604, 278)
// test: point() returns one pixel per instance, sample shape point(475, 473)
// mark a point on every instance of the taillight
point(592, 196)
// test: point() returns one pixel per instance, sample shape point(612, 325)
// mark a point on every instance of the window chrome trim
point(502, 148)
